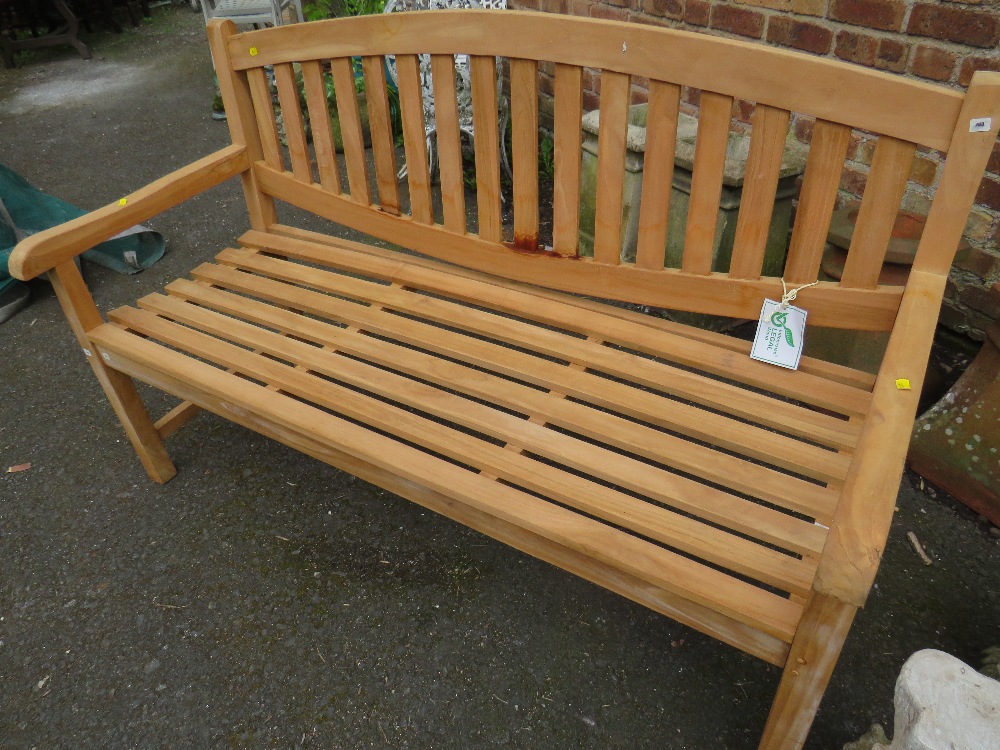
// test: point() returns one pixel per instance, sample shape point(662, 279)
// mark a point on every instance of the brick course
point(803, 35)
point(737, 21)
point(972, 27)
point(886, 15)
point(934, 63)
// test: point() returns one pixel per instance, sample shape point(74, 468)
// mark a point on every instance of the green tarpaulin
point(25, 210)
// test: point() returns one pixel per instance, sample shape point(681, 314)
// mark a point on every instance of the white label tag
point(980, 125)
point(780, 335)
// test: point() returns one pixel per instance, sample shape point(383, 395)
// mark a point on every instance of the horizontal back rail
point(839, 92)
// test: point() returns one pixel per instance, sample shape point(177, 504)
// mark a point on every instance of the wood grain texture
point(831, 90)
point(350, 130)
point(961, 177)
point(566, 159)
point(861, 525)
point(815, 650)
point(621, 316)
point(449, 146)
point(816, 201)
point(291, 115)
point(524, 134)
point(320, 126)
point(575, 491)
point(877, 214)
point(45, 250)
point(238, 102)
point(411, 107)
point(615, 98)
point(769, 128)
point(263, 108)
point(484, 107)
point(706, 183)
point(771, 614)
point(658, 171)
point(81, 313)
point(383, 144)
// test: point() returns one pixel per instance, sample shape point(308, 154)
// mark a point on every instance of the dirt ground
point(264, 600)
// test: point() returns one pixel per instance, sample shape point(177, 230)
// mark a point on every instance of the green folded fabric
point(26, 210)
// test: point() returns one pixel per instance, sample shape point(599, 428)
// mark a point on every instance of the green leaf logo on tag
point(779, 320)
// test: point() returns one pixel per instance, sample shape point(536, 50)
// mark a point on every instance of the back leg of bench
point(83, 316)
point(815, 649)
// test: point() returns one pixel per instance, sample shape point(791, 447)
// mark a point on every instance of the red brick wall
point(940, 41)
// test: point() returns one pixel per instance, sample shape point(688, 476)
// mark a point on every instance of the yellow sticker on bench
point(253, 52)
point(122, 201)
point(902, 384)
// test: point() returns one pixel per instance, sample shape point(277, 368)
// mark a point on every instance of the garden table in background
point(23, 13)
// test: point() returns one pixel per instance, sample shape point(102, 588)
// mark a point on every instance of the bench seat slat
point(859, 381)
point(688, 535)
point(714, 505)
point(683, 345)
point(743, 476)
point(771, 613)
point(813, 461)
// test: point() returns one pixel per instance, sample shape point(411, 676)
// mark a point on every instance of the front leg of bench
point(814, 653)
point(82, 314)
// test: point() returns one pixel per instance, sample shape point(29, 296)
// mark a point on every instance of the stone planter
point(792, 166)
point(863, 350)
point(956, 443)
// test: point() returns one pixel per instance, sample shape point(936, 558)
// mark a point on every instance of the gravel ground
point(264, 600)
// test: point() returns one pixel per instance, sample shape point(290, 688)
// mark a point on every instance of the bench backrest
point(901, 114)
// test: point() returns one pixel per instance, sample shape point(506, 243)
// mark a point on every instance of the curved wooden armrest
point(45, 250)
point(861, 524)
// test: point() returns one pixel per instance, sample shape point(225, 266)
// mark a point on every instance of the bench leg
point(120, 389)
point(814, 653)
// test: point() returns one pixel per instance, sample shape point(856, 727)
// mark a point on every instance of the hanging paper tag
point(780, 335)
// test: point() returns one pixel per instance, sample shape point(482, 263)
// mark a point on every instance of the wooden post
point(815, 649)
point(83, 316)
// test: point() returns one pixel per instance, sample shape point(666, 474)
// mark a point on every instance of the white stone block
point(944, 704)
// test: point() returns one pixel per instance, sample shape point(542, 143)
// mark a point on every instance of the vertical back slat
point(484, 112)
point(566, 159)
point(383, 147)
point(879, 207)
point(658, 171)
point(524, 129)
point(291, 116)
point(449, 143)
point(769, 128)
point(411, 107)
point(319, 124)
point(615, 97)
point(350, 130)
point(706, 182)
point(816, 201)
point(263, 106)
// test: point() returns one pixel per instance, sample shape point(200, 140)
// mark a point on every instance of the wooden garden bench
point(477, 373)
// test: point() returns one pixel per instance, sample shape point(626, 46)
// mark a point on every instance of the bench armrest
point(46, 250)
point(861, 524)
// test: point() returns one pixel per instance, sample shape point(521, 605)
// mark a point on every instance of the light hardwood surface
point(524, 390)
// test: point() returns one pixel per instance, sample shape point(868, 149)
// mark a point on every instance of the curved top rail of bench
point(831, 90)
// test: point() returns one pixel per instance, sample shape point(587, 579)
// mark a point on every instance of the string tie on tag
point(788, 295)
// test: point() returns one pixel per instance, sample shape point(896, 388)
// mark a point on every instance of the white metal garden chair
point(463, 81)
point(248, 12)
